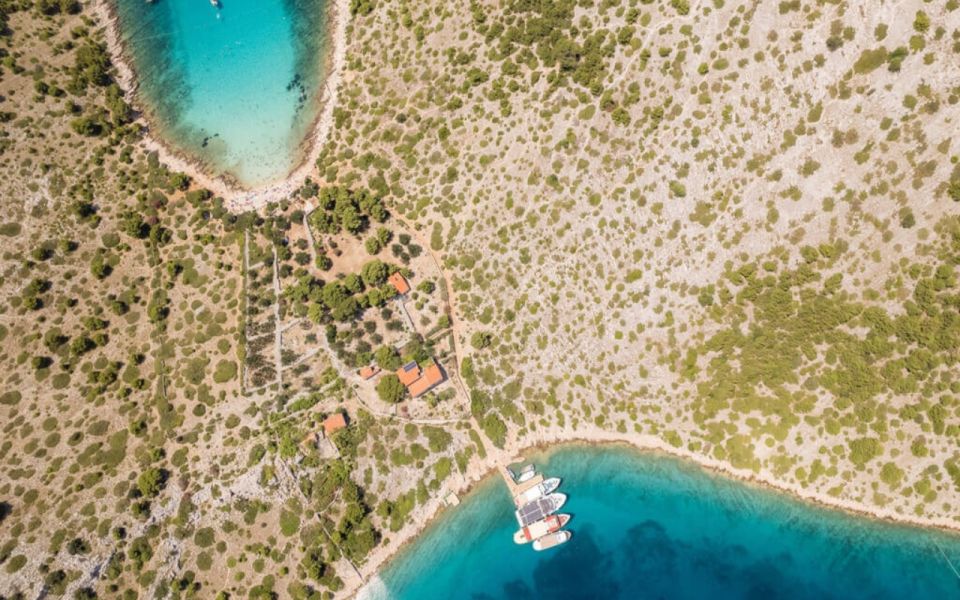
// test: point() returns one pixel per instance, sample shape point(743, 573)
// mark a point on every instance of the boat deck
point(531, 512)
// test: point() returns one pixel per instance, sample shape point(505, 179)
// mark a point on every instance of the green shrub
point(863, 450)
point(204, 537)
point(151, 482)
point(891, 474)
point(361, 7)
point(15, 563)
point(481, 339)
point(953, 190)
point(226, 370)
point(442, 469)
point(495, 429)
point(289, 522)
point(870, 59)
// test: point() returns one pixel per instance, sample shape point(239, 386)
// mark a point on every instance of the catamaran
point(551, 540)
point(541, 489)
point(541, 528)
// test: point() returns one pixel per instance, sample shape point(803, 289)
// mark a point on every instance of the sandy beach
point(479, 469)
point(236, 198)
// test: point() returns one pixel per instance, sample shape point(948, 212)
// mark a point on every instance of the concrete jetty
point(518, 488)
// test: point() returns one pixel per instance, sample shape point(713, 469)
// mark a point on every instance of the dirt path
point(455, 326)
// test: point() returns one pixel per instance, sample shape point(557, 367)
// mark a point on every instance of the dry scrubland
point(729, 226)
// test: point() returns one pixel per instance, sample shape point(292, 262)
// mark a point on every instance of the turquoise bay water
point(234, 87)
point(647, 526)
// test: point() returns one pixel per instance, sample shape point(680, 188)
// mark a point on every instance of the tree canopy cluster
point(91, 67)
point(543, 32)
point(341, 299)
point(389, 389)
point(343, 209)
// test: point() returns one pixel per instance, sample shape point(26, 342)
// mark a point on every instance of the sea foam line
point(373, 589)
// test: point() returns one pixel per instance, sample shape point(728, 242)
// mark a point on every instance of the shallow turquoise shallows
point(647, 526)
point(234, 87)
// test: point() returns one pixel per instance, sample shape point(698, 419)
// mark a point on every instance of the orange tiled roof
point(432, 375)
point(369, 371)
point(334, 422)
point(399, 282)
point(408, 373)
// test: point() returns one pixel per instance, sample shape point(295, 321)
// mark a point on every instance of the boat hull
point(525, 476)
point(551, 540)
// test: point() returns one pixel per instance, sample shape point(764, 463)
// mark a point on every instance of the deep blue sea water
point(234, 87)
point(649, 526)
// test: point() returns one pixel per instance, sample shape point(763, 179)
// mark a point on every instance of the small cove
point(651, 526)
point(234, 88)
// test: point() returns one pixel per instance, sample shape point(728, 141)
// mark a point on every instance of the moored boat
point(551, 540)
point(526, 473)
point(541, 528)
point(543, 488)
point(531, 512)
